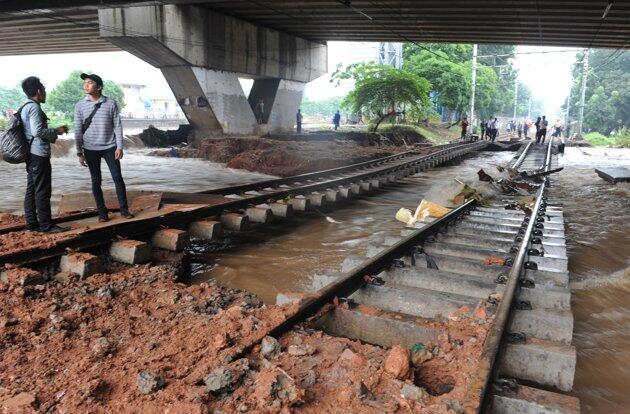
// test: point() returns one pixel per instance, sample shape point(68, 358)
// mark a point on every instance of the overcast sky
point(547, 74)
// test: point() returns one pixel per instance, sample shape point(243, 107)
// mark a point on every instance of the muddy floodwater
point(139, 171)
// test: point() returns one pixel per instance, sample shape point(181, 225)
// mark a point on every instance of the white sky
point(548, 75)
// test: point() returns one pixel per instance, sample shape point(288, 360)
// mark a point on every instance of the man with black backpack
point(98, 134)
point(38, 169)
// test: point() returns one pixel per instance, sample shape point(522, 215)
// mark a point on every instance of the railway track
point(441, 272)
point(411, 291)
point(236, 207)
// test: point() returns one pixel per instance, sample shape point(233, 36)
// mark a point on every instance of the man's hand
point(118, 154)
point(62, 129)
point(82, 160)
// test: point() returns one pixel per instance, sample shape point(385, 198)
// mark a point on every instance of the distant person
point(260, 111)
point(526, 128)
point(543, 132)
point(557, 129)
point(489, 127)
point(482, 127)
point(298, 121)
point(464, 127)
point(38, 168)
point(336, 120)
point(99, 135)
point(519, 129)
point(537, 125)
point(495, 129)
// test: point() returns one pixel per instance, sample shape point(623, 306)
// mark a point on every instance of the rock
point(363, 392)
point(352, 358)
point(149, 383)
point(397, 362)
point(220, 340)
point(420, 354)
point(19, 403)
point(101, 346)
point(411, 392)
point(7, 322)
point(300, 350)
point(106, 292)
point(269, 347)
point(480, 312)
point(223, 379)
point(309, 379)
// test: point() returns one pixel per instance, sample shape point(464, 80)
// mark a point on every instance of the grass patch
point(620, 140)
point(434, 134)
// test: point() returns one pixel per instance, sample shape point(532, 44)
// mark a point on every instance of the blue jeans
point(93, 160)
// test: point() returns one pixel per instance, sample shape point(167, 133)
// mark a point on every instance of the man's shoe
point(103, 220)
point(127, 215)
point(55, 229)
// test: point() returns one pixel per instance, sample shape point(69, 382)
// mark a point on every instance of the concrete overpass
point(203, 46)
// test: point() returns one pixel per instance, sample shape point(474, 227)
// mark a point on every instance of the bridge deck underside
point(576, 23)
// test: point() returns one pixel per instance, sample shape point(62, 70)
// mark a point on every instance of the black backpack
point(14, 148)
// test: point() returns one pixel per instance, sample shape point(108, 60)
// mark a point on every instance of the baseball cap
point(97, 79)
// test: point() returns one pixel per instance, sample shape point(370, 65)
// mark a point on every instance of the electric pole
point(515, 96)
point(474, 86)
point(582, 94)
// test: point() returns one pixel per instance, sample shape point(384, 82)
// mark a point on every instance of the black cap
point(97, 79)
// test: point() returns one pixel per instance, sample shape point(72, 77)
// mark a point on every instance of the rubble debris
point(483, 176)
point(397, 363)
point(494, 260)
point(469, 193)
point(224, 379)
point(425, 209)
point(269, 347)
point(149, 383)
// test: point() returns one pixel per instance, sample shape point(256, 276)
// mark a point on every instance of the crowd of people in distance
point(489, 128)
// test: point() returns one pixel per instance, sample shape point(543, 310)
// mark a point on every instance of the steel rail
point(135, 228)
point(523, 155)
point(252, 186)
point(318, 174)
point(477, 394)
point(353, 280)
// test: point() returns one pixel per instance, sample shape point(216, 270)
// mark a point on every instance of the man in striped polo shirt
point(98, 135)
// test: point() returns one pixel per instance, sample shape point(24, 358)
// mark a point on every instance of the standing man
point(464, 127)
point(337, 119)
point(298, 121)
point(38, 169)
point(526, 128)
point(482, 125)
point(98, 134)
point(543, 132)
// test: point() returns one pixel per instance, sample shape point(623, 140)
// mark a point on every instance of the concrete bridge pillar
point(203, 53)
point(281, 99)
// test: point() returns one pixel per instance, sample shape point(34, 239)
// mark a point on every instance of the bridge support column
point(281, 99)
point(202, 53)
point(211, 100)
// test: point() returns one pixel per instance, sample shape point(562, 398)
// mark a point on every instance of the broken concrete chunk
point(300, 350)
point(223, 379)
point(269, 347)
point(397, 362)
point(149, 383)
point(21, 276)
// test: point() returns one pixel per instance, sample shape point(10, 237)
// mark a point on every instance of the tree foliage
point(380, 90)
point(607, 103)
point(324, 107)
point(69, 91)
point(10, 98)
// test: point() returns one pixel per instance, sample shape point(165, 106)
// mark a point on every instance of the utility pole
point(515, 96)
point(566, 116)
point(583, 94)
point(474, 87)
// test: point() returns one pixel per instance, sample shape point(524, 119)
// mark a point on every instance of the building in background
point(144, 102)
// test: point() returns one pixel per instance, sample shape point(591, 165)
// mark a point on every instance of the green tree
point(10, 98)
point(381, 91)
point(607, 103)
point(325, 107)
point(68, 92)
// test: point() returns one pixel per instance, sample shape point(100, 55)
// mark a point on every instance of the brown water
point(140, 172)
point(598, 231)
point(597, 215)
